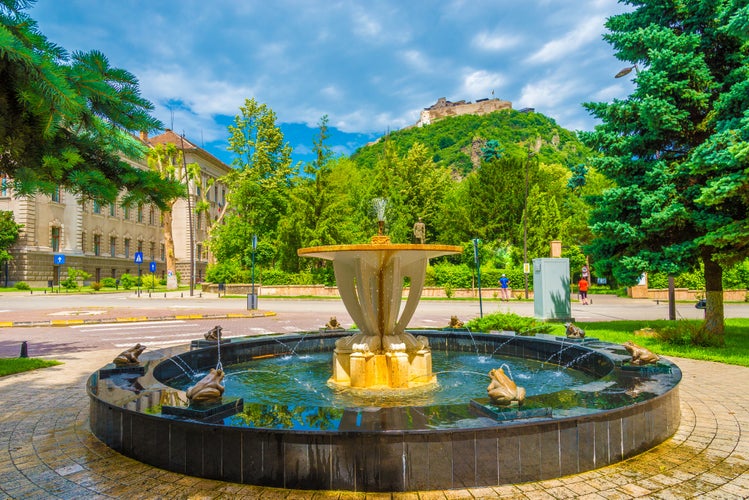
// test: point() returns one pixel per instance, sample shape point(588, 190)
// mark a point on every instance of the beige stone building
point(103, 239)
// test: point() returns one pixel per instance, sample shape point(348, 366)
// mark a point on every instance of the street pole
point(526, 267)
point(254, 247)
point(478, 273)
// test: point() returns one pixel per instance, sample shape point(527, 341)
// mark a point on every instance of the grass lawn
point(735, 351)
point(9, 366)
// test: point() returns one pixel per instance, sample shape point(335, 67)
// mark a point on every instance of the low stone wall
point(684, 294)
point(332, 291)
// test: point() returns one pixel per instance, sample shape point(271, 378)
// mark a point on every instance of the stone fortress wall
point(444, 108)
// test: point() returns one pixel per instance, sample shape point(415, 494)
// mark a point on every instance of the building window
point(56, 195)
point(83, 241)
point(215, 192)
point(126, 212)
point(223, 197)
point(163, 252)
point(112, 210)
point(199, 251)
point(199, 218)
point(55, 239)
point(140, 213)
point(127, 248)
point(98, 274)
point(152, 216)
point(97, 244)
point(152, 246)
point(97, 207)
point(4, 185)
point(112, 246)
point(140, 246)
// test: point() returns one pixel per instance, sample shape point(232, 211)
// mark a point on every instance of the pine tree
point(668, 147)
point(66, 119)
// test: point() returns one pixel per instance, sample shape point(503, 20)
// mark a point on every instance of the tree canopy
point(673, 147)
point(66, 119)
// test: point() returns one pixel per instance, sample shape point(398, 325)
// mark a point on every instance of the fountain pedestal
point(370, 279)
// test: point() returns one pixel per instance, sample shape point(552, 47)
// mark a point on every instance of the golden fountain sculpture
point(370, 281)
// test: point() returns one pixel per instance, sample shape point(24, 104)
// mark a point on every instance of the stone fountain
point(341, 437)
point(370, 279)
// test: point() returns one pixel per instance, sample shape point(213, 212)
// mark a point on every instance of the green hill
point(453, 141)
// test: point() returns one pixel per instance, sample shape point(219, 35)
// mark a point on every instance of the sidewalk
point(47, 451)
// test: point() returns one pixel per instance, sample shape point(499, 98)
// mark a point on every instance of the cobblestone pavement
point(47, 451)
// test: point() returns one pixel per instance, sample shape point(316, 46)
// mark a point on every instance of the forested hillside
point(456, 142)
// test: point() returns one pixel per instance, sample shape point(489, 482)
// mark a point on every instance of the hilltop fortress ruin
point(444, 109)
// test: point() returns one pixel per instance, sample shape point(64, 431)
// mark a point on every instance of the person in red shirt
point(582, 287)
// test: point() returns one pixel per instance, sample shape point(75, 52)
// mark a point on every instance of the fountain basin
point(398, 448)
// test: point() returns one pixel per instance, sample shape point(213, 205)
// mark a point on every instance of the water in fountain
point(185, 367)
point(259, 384)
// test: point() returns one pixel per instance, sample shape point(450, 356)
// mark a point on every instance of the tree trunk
point(171, 260)
point(714, 318)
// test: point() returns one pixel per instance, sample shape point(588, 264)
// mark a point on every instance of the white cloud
point(480, 83)
point(491, 42)
point(585, 32)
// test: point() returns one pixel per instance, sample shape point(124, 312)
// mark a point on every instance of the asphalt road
point(290, 315)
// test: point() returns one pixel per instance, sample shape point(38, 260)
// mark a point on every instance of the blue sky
point(370, 66)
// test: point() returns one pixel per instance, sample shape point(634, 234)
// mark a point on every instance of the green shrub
point(109, 282)
point(150, 281)
point(22, 285)
point(96, 286)
point(128, 281)
point(685, 333)
point(75, 276)
point(509, 322)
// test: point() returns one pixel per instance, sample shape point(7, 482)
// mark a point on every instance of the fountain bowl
point(624, 411)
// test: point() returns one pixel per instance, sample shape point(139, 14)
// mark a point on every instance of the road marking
point(115, 324)
point(119, 328)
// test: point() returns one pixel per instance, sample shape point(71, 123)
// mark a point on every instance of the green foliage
point(9, 366)
point(128, 281)
point(74, 279)
point(508, 322)
point(9, 232)
point(446, 274)
point(22, 285)
point(109, 282)
point(675, 148)
point(688, 333)
point(149, 281)
point(68, 118)
point(451, 140)
point(96, 286)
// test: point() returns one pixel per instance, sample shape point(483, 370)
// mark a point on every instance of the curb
point(132, 319)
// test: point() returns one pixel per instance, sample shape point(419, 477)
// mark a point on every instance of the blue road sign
point(59, 259)
point(152, 267)
point(138, 257)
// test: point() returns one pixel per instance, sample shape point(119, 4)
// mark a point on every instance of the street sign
point(59, 259)
point(138, 257)
point(152, 267)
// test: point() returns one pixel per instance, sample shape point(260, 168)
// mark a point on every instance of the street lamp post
point(478, 273)
point(526, 267)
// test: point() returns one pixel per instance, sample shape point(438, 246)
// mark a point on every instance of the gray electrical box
point(551, 289)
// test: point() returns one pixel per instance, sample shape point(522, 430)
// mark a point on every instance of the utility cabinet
point(551, 289)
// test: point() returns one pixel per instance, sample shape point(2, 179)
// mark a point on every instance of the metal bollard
point(24, 350)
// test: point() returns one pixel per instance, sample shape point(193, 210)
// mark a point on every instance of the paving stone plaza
point(48, 451)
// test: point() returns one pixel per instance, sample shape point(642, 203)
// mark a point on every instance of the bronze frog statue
point(502, 390)
point(130, 356)
point(333, 324)
point(208, 389)
point(574, 332)
point(640, 355)
point(214, 333)
point(455, 322)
